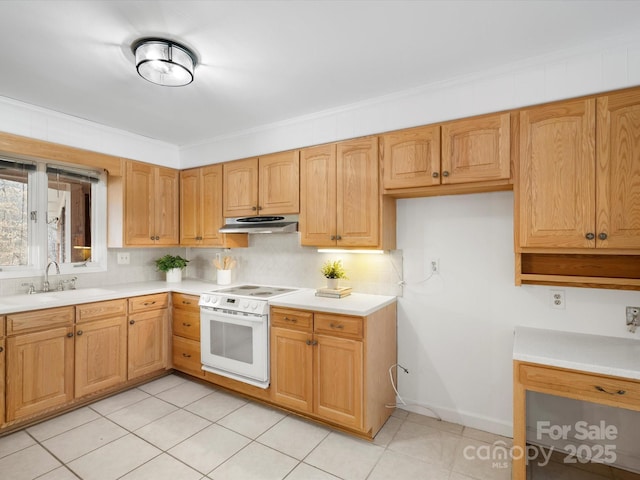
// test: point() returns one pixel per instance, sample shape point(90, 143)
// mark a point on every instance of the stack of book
point(333, 292)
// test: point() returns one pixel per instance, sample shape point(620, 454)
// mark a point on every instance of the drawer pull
point(337, 325)
point(184, 324)
point(186, 302)
point(146, 304)
point(292, 320)
point(186, 355)
point(619, 392)
point(310, 342)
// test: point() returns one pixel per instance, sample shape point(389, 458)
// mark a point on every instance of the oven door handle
point(212, 314)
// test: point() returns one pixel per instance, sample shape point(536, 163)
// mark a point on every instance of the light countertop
point(360, 304)
point(615, 356)
point(24, 302)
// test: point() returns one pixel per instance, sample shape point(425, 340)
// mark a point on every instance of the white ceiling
point(265, 61)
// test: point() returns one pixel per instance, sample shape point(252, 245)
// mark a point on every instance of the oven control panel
point(236, 304)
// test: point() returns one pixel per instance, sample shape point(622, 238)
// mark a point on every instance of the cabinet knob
point(435, 174)
point(1, 349)
point(602, 236)
point(131, 322)
point(69, 335)
point(80, 332)
point(254, 208)
point(157, 237)
point(445, 174)
point(589, 236)
point(308, 342)
point(333, 237)
point(339, 237)
point(152, 238)
point(259, 207)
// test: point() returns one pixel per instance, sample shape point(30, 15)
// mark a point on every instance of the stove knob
point(245, 304)
point(206, 298)
point(214, 300)
point(254, 305)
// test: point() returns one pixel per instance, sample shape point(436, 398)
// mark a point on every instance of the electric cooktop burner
point(259, 291)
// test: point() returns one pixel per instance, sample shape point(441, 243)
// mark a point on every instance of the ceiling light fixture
point(164, 62)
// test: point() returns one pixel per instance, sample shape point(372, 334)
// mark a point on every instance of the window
point(51, 213)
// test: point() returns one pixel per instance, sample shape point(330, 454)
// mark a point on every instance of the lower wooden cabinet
point(39, 371)
point(147, 343)
point(185, 343)
point(2, 363)
point(339, 377)
point(334, 367)
point(101, 355)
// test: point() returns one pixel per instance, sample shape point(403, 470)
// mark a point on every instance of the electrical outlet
point(633, 315)
point(433, 266)
point(557, 299)
point(123, 258)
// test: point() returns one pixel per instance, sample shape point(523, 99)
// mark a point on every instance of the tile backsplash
point(273, 259)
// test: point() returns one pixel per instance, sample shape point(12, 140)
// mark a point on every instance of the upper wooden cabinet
point(469, 151)
point(556, 186)
point(340, 203)
point(579, 180)
point(267, 185)
point(201, 209)
point(618, 171)
point(143, 206)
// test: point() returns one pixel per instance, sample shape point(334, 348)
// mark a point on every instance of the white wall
point(455, 330)
point(27, 120)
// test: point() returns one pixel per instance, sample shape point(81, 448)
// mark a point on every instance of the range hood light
point(344, 250)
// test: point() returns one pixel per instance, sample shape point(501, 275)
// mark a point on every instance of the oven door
point(235, 345)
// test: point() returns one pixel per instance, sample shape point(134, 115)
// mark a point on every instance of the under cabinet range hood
point(266, 224)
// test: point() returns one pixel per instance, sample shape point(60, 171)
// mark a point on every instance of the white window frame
point(38, 246)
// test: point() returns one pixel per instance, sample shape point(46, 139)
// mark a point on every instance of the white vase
point(174, 275)
point(224, 277)
point(332, 283)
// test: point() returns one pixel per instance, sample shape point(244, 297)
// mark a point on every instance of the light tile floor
point(177, 429)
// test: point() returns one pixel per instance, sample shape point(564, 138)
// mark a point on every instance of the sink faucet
point(45, 284)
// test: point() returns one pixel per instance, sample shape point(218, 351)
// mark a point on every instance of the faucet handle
point(32, 288)
point(60, 285)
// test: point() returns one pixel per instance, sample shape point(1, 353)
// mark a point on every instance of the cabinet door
point(166, 206)
point(411, 158)
point(191, 207)
point(476, 150)
point(618, 171)
point(2, 370)
point(358, 194)
point(279, 184)
point(101, 355)
point(211, 200)
point(557, 175)
point(240, 190)
point(292, 369)
point(339, 380)
point(317, 221)
point(39, 371)
point(147, 343)
point(139, 204)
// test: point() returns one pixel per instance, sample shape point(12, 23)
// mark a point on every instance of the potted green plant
point(333, 272)
point(173, 266)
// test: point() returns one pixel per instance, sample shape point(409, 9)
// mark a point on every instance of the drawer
point(186, 356)
point(582, 386)
point(148, 302)
point(338, 325)
point(97, 310)
point(39, 319)
point(288, 318)
point(189, 302)
point(186, 324)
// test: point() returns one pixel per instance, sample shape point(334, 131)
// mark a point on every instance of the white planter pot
point(332, 283)
point(174, 275)
point(224, 277)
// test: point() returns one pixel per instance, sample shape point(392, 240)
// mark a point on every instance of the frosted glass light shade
point(164, 62)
